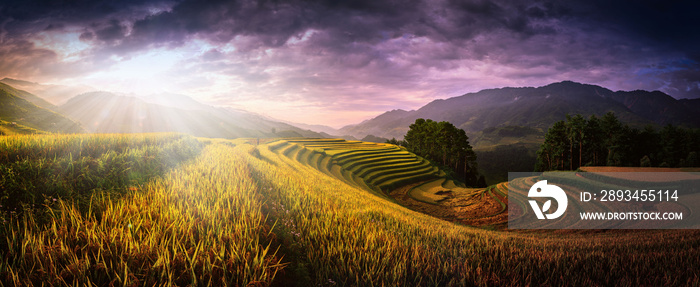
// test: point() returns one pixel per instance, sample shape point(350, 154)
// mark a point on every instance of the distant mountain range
point(491, 117)
point(505, 126)
point(536, 108)
point(55, 94)
point(104, 112)
point(22, 112)
point(322, 129)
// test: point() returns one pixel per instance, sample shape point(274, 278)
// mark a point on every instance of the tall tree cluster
point(576, 141)
point(445, 145)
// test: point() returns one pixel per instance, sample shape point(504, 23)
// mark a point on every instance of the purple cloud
point(367, 56)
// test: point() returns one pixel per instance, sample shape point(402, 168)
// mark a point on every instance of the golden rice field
point(284, 213)
point(392, 172)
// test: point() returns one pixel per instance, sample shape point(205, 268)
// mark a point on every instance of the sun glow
point(142, 74)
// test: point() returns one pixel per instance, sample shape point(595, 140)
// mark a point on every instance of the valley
point(349, 143)
point(266, 205)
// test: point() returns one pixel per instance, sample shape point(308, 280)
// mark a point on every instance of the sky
point(338, 62)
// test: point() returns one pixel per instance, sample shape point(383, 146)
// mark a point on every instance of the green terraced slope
point(380, 168)
point(376, 167)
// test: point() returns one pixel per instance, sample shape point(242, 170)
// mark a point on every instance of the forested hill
point(577, 141)
point(536, 108)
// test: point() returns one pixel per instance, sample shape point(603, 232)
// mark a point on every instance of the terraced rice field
point(213, 212)
point(445, 199)
point(392, 172)
point(376, 167)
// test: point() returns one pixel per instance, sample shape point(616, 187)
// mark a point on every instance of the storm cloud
point(363, 56)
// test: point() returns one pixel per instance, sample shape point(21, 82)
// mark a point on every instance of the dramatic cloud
point(338, 62)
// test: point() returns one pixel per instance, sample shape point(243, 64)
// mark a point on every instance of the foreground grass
point(351, 237)
point(244, 215)
point(200, 224)
point(37, 171)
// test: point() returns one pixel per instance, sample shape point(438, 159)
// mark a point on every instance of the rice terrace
point(349, 143)
point(176, 210)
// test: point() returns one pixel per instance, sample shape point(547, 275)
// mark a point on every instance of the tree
point(674, 145)
point(646, 144)
point(575, 129)
point(620, 144)
point(612, 130)
point(551, 154)
point(645, 162)
point(594, 142)
point(394, 141)
point(692, 159)
point(445, 145)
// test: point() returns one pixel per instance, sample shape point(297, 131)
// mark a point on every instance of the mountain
point(322, 129)
point(329, 132)
point(693, 104)
point(660, 108)
point(55, 94)
point(105, 112)
point(371, 138)
point(28, 96)
point(506, 126)
point(173, 100)
point(536, 108)
point(19, 115)
point(392, 124)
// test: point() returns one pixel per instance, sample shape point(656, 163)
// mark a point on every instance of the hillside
point(28, 96)
point(375, 167)
point(19, 115)
point(660, 108)
point(227, 213)
point(535, 108)
point(54, 94)
point(104, 112)
point(506, 126)
point(393, 173)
